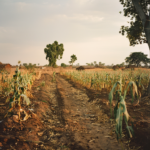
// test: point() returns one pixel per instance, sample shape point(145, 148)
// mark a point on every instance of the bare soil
point(67, 116)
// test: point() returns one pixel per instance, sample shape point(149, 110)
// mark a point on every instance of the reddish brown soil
point(70, 117)
point(139, 115)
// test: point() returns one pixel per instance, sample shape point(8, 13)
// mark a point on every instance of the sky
point(87, 28)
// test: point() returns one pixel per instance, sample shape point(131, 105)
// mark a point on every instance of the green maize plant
point(92, 81)
point(53, 79)
point(120, 109)
point(118, 84)
point(43, 83)
point(98, 80)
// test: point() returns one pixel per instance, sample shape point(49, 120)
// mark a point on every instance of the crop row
point(118, 84)
point(15, 91)
point(99, 80)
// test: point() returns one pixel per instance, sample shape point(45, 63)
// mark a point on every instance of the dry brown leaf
point(40, 133)
point(66, 111)
point(15, 118)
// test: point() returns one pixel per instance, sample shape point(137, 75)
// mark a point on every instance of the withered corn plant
point(120, 110)
point(18, 87)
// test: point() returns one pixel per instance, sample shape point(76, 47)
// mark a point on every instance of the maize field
point(16, 91)
point(118, 84)
point(98, 80)
point(83, 108)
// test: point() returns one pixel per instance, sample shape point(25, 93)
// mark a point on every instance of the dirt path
point(97, 105)
point(86, 123)
point(66, 117)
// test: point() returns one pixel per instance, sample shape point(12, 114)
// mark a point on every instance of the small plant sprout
point(53, 79)
point(43, 83)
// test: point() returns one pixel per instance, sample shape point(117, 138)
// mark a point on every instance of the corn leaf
point(26, 100)
point(110, 96)
point(120, 110)
point(130, 131)
point(134, 87)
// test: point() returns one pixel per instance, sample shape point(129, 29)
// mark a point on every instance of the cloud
point(2, 30)
point(109, 42)
point(75, 17)
point(87, 28)
point(83, 2)
point(6, 34)
point(53, 6)
point(22, 6)
point(6, 30)
point(89, 18)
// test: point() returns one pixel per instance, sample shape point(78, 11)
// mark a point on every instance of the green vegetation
point(30, 67)
point(53, 52)
point(120, 109)
point(118, 84)
point(120, 65)
point(73, 59)
point(100, 64)
point(43, 83)
point(63, 65)
point(137, 58)
point(53, 79)
point(17, 86)
point(138, 32)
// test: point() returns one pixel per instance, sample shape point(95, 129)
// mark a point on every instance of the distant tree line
point(95, 64)
point(29, 66)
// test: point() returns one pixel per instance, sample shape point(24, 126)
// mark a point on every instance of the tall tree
point(53, 52)
point(25, 64)
point(137, 58)
point(95, 63)
point(88, 64)
point(101, 64)
point(73, 59)
point(139, 30)
point(92, 64)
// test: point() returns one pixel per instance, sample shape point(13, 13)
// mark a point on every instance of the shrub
point(63, 65)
